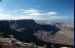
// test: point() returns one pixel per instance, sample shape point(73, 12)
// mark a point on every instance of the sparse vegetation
point(1, 45)
point(45, 46)
point(2, 34)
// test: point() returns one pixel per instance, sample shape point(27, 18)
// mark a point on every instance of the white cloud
point(29, 14)
point(4, 17)
point(10, 17)
point(33, 12)
point(51, 13)
point(19, 10)
point(36, 14)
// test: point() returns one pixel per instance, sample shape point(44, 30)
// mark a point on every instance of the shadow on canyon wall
point(30, 27)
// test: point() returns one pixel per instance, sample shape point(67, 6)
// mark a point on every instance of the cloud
point(4, 17)
point(10, 17)
point(30, 14)
point(16, 16)
point(51, 13)
point(33, 12)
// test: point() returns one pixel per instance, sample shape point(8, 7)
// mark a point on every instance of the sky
point(37, 9)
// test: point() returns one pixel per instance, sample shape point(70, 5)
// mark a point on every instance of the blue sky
point(37, 9)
